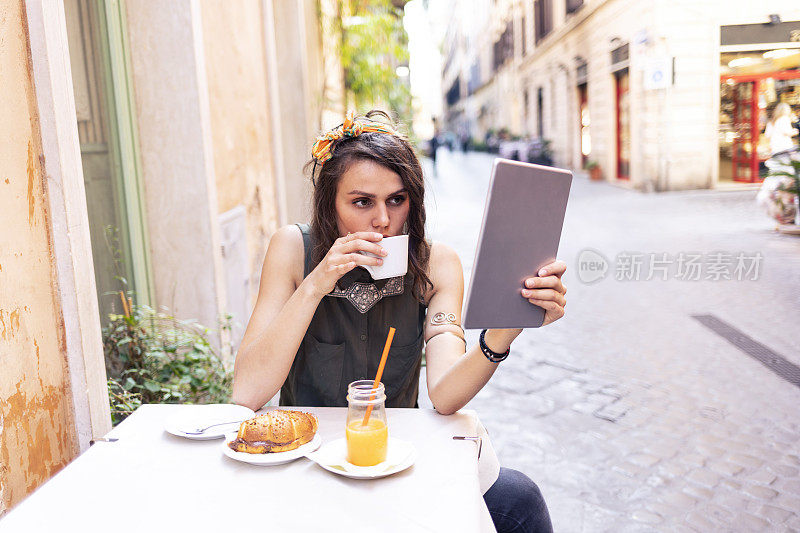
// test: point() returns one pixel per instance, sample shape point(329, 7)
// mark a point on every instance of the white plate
point(270, 459)
point(333, 458)
point(191, 417)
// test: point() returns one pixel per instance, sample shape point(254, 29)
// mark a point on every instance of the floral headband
point(352, 127)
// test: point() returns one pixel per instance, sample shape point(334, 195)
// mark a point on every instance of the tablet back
point(521, 229)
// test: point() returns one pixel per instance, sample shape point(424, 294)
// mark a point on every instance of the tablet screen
point(522, 221)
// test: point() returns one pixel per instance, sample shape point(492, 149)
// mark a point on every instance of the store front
point(760, 69)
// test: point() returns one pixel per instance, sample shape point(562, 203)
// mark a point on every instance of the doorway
point(584, 121)
point(104, 111)
point(622, 82)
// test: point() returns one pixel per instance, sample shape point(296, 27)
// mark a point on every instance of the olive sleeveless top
point(344, 344)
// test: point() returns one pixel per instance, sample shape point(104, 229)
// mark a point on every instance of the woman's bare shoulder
point(443, 255)
point(285, 253)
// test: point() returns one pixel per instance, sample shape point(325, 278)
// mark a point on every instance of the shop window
point(454, 93)
point(573, 6)
point(503, 48)
point(620, 55)
point(543, 18)
point(581, 71)
point(753, 84)
point(539, 112)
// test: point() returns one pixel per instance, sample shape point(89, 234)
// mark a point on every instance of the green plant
point(373, 44)
point(793, 184)
point(479, 146)
point(123, 402)
point(153, 357)
point(591, 165)
point(547, 148)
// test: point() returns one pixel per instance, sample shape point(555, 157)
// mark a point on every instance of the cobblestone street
point(629, 413)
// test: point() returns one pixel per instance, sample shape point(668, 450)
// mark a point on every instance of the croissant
point(275, 431)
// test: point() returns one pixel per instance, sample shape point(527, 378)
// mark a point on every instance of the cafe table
point(149, 479)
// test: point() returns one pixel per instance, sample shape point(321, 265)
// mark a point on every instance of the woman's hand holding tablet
point(548, 291)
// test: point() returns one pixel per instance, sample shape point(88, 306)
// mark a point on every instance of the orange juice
point(367, 445)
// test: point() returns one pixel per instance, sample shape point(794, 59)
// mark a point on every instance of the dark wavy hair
point(396, 154)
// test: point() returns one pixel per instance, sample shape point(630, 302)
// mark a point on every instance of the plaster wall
point(233, 43)
point(296, 115)
point(37, 431)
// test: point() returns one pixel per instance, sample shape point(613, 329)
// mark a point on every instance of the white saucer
point(333, 458)
point(191, 417)
point(270, 459)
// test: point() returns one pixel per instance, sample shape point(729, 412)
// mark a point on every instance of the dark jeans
point(517, 505)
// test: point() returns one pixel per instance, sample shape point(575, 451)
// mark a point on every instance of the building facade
point(631, 86)
point(146, 146)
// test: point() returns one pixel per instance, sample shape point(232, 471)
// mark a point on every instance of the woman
point(320, 321)
point(779, 130)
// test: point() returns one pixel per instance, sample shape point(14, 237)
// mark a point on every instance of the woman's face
point(370, 197)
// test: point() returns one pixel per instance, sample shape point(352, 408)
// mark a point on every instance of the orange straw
point(380, 373)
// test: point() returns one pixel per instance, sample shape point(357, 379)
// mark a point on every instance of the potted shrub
point(780, 191)
point(153, 357)
point(595, 173)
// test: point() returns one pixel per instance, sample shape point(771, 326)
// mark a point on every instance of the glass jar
point(366, 443)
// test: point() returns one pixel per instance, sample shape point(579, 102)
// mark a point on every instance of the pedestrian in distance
point(779, 130)
point(434, 144)
point(308, 342)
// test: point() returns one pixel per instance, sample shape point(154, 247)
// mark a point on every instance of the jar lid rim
point(379, 398)
point(366, 385)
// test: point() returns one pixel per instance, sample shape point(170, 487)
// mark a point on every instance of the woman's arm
point(284, 309)
point(454, 375)
point(278, 323)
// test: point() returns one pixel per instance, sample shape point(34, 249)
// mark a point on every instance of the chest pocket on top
point(324, 367)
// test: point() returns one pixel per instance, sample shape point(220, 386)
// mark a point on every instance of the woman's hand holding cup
point(343, 256)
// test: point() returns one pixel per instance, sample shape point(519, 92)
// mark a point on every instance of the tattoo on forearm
point(440, 319)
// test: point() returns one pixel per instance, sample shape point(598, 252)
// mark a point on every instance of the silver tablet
point(521, 229)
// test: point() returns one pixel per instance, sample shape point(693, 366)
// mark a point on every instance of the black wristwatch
point(494, 357)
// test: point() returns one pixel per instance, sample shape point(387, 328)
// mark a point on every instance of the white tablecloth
point(151, 479)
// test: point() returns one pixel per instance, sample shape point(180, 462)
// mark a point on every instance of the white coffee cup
point(395, 262)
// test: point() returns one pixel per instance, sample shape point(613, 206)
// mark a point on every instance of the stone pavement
point(628, 413)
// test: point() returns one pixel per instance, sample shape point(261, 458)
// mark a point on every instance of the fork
point(200, 431)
